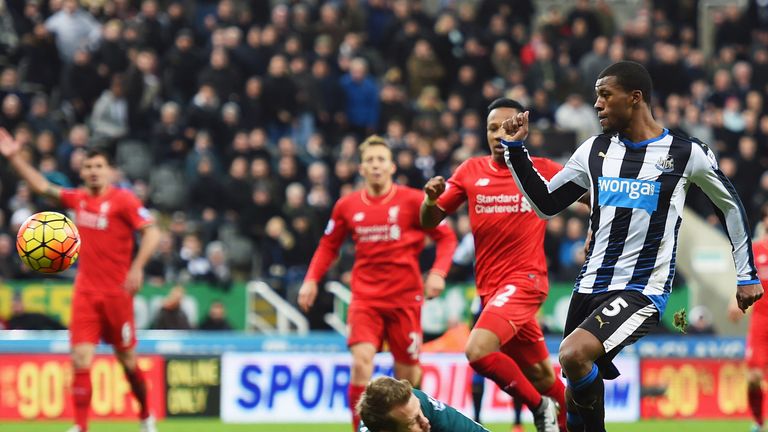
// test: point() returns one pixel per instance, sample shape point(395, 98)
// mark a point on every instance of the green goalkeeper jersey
point(442, 418)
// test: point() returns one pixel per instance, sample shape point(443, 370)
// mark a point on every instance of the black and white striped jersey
point(637, 196)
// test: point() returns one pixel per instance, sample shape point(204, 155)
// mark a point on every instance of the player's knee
point(754, 378)
point(81, 360)
point(362, 365)
point(572, 356)
point(475, 351)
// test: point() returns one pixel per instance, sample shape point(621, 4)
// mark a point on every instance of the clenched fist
point(516, 127)
point(434, 187)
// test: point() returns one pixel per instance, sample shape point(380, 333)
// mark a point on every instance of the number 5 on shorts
point(615, 307)
point(502, 298)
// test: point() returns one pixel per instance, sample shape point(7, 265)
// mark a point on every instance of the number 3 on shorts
point(615, 307)
point(503, 297)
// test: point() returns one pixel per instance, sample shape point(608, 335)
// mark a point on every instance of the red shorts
point(400, 327)
point(97, 317)
point(757, 342)
point(510, 314)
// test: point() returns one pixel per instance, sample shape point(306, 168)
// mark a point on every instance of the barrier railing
point(287, 319)
point(341, 298)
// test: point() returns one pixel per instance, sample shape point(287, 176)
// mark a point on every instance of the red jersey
point(388, 240)
point(760, 250)
point(509, 236)
point(107, 224)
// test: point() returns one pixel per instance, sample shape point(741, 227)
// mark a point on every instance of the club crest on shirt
point(483, 182)
point(665, 163)
point(392, 214)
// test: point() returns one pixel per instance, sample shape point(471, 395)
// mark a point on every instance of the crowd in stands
point(237, 121)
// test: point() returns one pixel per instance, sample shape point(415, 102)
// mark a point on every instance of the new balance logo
point(483, 182)
point(600, 321)
point(628, 193)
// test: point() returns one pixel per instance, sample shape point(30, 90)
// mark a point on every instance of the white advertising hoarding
point(310, 388)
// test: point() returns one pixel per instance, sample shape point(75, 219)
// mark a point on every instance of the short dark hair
point(631, 76)
point(505, 103)
point(97, 151)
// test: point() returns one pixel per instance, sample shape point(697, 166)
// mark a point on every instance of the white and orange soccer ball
point(48, 242)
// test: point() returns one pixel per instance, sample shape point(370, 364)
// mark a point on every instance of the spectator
point(701, 321)
point(109, 119)
point(171, 316)
point(362, 98)
point(181, 66)
point(74, 28)
point(216, 320)
point(22, 319)
point(43, 65)
point(280, 91)
point(575, 115)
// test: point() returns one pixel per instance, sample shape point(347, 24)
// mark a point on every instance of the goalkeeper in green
point(389, 405)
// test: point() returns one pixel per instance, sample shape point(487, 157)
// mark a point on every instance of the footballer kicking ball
point(48, 242)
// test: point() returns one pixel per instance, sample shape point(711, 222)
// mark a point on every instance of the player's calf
point(588, 393)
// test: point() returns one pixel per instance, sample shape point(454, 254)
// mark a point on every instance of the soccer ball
point(48, 242)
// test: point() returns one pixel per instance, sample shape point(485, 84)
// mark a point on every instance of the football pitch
point(217, 426)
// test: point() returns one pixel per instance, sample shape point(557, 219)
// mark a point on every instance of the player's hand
point(434, 285)
point(307, 295)
point(516, 128)
point(747, 295)
point(8, 145)
point(133, 280)
point(734, 313)
point(435, 187)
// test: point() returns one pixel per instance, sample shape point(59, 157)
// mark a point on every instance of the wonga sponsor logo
point(629, 193)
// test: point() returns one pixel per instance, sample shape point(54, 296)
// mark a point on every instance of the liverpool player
point(107, 276)
point(757, 335)
point(387, 290)
point(506, 343)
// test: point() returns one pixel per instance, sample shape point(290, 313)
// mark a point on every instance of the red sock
point(507, 375)
point(81, 396)
point(557, 392)
point(139, 389)
point(755, 397)
point(355, 391)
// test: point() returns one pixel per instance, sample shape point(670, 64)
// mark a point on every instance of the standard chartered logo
point(629, 193)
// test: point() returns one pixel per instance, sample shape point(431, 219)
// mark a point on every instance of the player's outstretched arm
point(150, 238)
point(706, 174)
point(430, 215)
point(546, 198)
point(11, 150)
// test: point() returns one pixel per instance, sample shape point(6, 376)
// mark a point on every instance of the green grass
point(216, 426)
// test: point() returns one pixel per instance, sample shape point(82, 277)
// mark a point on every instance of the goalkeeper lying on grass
point(389, 405)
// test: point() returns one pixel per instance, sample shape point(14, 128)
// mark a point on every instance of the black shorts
point(616, 318)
